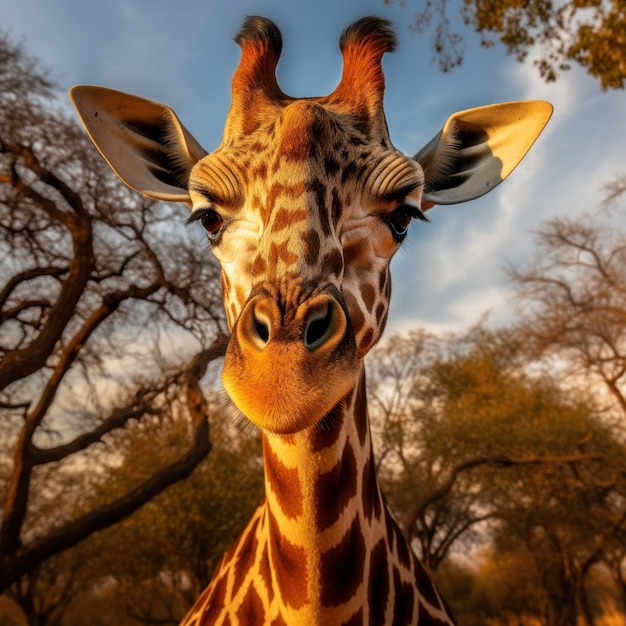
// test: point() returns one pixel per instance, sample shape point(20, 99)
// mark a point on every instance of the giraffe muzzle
point(276, 357)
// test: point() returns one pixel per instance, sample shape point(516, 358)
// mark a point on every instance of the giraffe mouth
point(285, 372)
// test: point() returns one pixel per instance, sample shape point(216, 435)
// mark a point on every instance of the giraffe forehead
point(300, 128)
point(307, 149)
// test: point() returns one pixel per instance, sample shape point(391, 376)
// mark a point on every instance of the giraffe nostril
point(257, 323)
point(319, 322)
point(261, 330)
point(318, 328)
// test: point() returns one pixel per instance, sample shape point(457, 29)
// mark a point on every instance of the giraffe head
point(305, 201)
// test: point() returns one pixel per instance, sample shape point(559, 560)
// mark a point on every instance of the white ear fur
point(478, 148)
point(143, 141)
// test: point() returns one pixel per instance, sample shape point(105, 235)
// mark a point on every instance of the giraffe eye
point(212, 222)
point(400, 219)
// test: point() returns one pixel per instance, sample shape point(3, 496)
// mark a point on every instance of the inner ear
point(478, 148)
point(143, 141)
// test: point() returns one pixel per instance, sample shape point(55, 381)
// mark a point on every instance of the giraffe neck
point(335, 553)
point(322, 549)
point(322, 498)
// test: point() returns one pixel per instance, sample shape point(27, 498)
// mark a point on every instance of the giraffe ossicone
point(305, 201)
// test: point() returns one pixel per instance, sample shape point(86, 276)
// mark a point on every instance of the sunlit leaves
point(590, 33)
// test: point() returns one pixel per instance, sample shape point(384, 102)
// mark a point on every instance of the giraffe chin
point(287, 399)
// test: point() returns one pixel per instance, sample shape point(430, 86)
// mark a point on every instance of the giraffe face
point(305, 202)
point(304, 215)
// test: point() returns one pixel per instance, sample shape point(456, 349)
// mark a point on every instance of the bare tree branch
point(444, 488)
point(14, 566)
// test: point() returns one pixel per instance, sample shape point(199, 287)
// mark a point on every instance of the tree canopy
point(556, 35)
point(478, 444)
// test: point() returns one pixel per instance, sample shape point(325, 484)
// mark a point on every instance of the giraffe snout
point(276, 355)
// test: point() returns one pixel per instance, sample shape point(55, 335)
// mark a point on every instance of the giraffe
point(304, 203)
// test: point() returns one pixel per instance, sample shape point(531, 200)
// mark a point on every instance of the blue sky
point(450, 271)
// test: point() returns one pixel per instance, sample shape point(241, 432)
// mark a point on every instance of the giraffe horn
point(261, 44)
point(363, 45)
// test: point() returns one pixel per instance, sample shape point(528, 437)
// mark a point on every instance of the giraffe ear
point(478, 148)
point(143, 141)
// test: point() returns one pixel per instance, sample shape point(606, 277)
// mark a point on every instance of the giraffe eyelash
point(401, 217)
point(415, 208)
point(198, 214)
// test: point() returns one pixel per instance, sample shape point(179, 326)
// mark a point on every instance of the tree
point(495, 589)
point(150, 567)
point(477, 442)
point(573, 309)
point(45, 593)
point(170, 548)
point(573, 301)
point(110, 313)
point(591, 33)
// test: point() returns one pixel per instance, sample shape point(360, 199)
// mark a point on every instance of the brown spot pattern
point(331, 166)
point(326, 436)
point(251, 609)
point(336, 206)
point(312, 243)
point(345, 562)
point(378, 589)
point(246, 554)
point(285, 483)
point(355, 620)
point(288, 562)
point(357, 319)
point(215, 602)
point(371, 498)
point(366, 340)
point(389, 525)
point(332, 264)
point(335, 489)
point(260, 170)
point(266, 574)
point(259, 266)
point(280, 252)
point(402, 549)
point(360, 412)
point(380, 311)
point(425, 585)
point(284, 218)
point(403, 601)
point(382, 280)
point(368, 294)
point(318, 190)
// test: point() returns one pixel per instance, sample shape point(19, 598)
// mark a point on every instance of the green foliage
point(494, 590)
point(150, 567)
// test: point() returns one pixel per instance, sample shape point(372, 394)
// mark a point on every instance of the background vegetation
point(555, 35)
point(501, 450)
